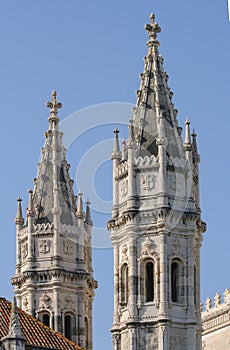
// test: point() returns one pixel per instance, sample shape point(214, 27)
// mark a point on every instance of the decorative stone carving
point(177, 247)
point(217, 299)
point(208, 303)
point(44, 246)
point(68, 247)
point(68, 303)
point(124, 188)
point(124, 256)
point(45, 301)
point(25, 303)
point(148, 182)
point(148, 248)
point(227, 296)
point(24, 250)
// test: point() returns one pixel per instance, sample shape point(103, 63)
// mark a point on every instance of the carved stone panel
point(44, 246)
point(68, 247)
point(148, 181)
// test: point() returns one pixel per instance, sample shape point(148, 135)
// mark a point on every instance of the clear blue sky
point(92, 52)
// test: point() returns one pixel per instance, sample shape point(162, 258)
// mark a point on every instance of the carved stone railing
point(146, 161)
point(216, 315)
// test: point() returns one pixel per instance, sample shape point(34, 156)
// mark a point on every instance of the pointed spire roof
point(53, 186)
point(19, 218)
point(116, 148)
point(195, 153)
point(14, 328)
point(155, 97)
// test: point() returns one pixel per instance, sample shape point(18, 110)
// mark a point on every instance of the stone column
point(31, 310)
point(116, 285)
point(164, 338)
point(163, 311)
point(190, 279)
point(57, 320)
point(132, 278)
point(81, 320)
point(132, 339)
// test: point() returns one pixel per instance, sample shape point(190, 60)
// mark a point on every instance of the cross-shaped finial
point(153, 28)
point(54, 105)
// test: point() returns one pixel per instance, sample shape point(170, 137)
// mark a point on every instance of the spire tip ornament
point(153, 28)
point(54, 106)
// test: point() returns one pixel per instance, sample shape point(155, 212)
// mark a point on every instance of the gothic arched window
point(46, 319)
point(68, 326)
point(175, 275)
point(149, 281)
point(124, 284)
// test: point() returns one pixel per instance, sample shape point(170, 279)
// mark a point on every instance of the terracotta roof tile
point(34, 331)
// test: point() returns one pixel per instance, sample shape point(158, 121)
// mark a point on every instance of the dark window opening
point(46, 319)
point(86, 334)
point(175, 282)
point(149, 282)
point(68, 326)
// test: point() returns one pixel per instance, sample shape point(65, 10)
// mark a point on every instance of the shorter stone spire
point(187, 133)
point(88, 219)
point(19, 218)
point(195, 153)
point(30, 209)
point(14, 328)
point(131, 130)
point(116, 148)
point(80, 212)
point(54, 107)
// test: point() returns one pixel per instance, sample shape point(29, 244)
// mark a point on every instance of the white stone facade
point(54, 276)
point(156, 227)
point(216, 323)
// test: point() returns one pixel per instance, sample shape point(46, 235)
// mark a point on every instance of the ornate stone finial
point(80, 212)
point(227, 296)
point(14, 329)
point(30, 209)
point(195, 152)
point(153, 28)
point(217, 299)
point(124, 150)
point(88, 219)
point(131, 130)
point(208, 304)
point(54, 107)
point(19, 218)
point(187, 132)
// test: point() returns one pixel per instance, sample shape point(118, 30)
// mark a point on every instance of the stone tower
point(54, 276)
point(156, 226)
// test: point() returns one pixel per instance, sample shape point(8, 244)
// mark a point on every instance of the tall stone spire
point(54, 276)
point(53, 196)
point(154, 98)
point(156, 226)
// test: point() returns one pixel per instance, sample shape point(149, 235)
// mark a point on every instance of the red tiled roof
point(34, 331)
